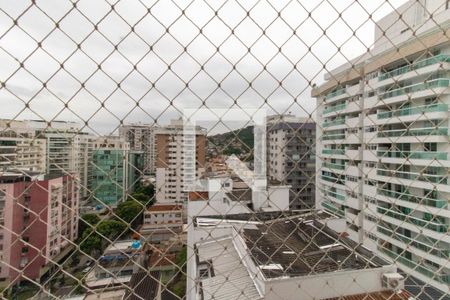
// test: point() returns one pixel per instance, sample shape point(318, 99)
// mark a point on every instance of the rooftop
point(240, 195)
point(298, 247)
point(229, 272)
point(144, 286)
point(164, 207)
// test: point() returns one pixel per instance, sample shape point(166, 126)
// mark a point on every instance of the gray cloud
point(141, 60)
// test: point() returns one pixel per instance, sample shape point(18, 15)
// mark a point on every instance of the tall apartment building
point(383, 142)
point(291, 157)
point(39, 218)
point(58, 147)
point(141, 137)
point(19, 149)
point(172, 166)
point(110, 168)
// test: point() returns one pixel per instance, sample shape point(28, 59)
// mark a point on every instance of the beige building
point(175, 162)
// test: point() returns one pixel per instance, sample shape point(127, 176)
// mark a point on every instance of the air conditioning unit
point(392, 281)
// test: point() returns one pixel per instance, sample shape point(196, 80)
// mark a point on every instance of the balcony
point(435, 226)
point(436, 83)
point(334, 108)
point(330, 207)
point(413, 132)
point(431, 155)
point(434, 178)
point(333, 151)
point(441, 277)
point(334, 166)
point(333, 179)
point(335, 122)
point(438, 252)
point(334, 195)
point(413, 111)
point(405, 196)
point(414, 66)
point(338, 136)
point(335, 93)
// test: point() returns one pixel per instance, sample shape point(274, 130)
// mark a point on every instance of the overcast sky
point(136, 42)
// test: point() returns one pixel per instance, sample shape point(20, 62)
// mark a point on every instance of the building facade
point(110, 170)
point(383, 142)
point(56, 147)
point(291, 157)
point(39, 217)
point(141, 138)
point(174, 161)
point(162, 222)
point(20, 150)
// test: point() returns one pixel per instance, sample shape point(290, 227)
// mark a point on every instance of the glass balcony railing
point(405, 196)
point(338, 136)
point(334, 209)
point(333, 179)
point(334, 108)
point(413, 154)
point(432, 225)
point(334, 166)
point(444, 278)
point(431, 249)
point(436, 83)
point(434, 178)
point(334, 122)
point(334, 151)
point(413, 132)
point(334, 195)
point(414, 66)
point(438, 107)
point(335, 93)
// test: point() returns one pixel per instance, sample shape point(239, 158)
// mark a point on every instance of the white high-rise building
point(383, 143)
point(19, 149)
point(141, 137)
point(56, 147)
point(175, 151)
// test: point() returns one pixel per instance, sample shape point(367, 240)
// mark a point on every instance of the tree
point(148, 190)
point(86, 220)
point(90, 241)
point(111, 229)
point(129, 211)
point(142, 198)
point(104, 231)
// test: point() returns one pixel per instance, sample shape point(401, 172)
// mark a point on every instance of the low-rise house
point(162, 222)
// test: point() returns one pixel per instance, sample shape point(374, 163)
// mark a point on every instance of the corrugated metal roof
point(231, 279)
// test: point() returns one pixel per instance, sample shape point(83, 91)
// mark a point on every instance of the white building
point(162, 222)
point(178, 158)
point(283, 256)
point(224, 196)
point(56, 147)
point(141, 137)
point(19, 149)
point(383, 142)
point(291, 157)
